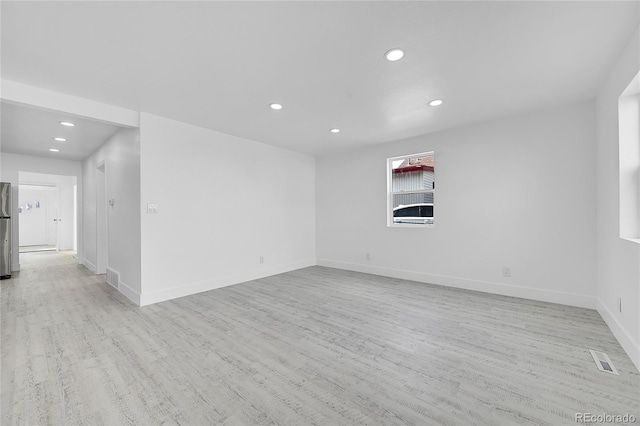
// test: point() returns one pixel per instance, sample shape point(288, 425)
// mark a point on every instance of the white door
point(37, 217)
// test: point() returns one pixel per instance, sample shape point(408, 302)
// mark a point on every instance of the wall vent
point(112, 278)
point(603, 362)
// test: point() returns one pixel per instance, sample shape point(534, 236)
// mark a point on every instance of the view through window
point(411, 190)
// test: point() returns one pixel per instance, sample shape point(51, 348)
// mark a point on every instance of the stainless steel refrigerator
point(5, 230)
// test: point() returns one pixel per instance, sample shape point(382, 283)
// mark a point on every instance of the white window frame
point(391, 193)
point(629, 161)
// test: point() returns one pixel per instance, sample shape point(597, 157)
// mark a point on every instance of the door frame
point(102, 219)
point(56, 206)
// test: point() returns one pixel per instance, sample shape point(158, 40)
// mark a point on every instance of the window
point(629, 160)
point(410, 190)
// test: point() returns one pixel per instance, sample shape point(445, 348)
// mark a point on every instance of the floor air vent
point(112, 278)
point(603, 362)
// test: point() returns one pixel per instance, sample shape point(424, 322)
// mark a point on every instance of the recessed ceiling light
point(67, 123)
point(335, 130)
point(54, 150)
point(436, 102)
point(275, 106)
point(394, 55)
point(60, 139)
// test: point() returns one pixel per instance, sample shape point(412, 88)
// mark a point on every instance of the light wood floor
point(315, 346)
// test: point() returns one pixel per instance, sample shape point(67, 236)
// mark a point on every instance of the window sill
point(633, 240)
point(409, 225)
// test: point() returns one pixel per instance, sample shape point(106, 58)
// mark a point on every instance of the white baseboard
point(90, 266)
point(630, 345)
point(199, 287)
point(563, 298)
point(129, 293)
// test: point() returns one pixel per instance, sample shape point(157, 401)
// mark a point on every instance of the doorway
point(37, 218)
point(47, 216)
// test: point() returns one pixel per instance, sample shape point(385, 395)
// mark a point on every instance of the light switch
point(152, 208)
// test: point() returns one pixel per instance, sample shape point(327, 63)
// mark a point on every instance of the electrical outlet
point(506, 271)
point(261, 260)
point(368, 256)
point(152, 208)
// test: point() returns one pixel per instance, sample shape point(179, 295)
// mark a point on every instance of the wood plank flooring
point(316, 346)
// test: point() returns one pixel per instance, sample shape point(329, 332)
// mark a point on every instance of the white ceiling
point(219, 64)
point(30, 131)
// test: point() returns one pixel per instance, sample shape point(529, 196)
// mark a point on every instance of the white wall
point(222, 203)
point(121, 157)
point(516, 192)
point(618, 259)
point(10, 167)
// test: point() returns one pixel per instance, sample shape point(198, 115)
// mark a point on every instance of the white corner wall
point(223, 202)
point(10, 167)
point(121, 156)
point(618, 259)
point(516, 192)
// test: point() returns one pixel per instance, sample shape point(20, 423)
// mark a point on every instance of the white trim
point(129, 293)
point(199, 287)
point(402, 157)
point(631, 347)
point(23, 94)
point(90, 266)
point(563, 298)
